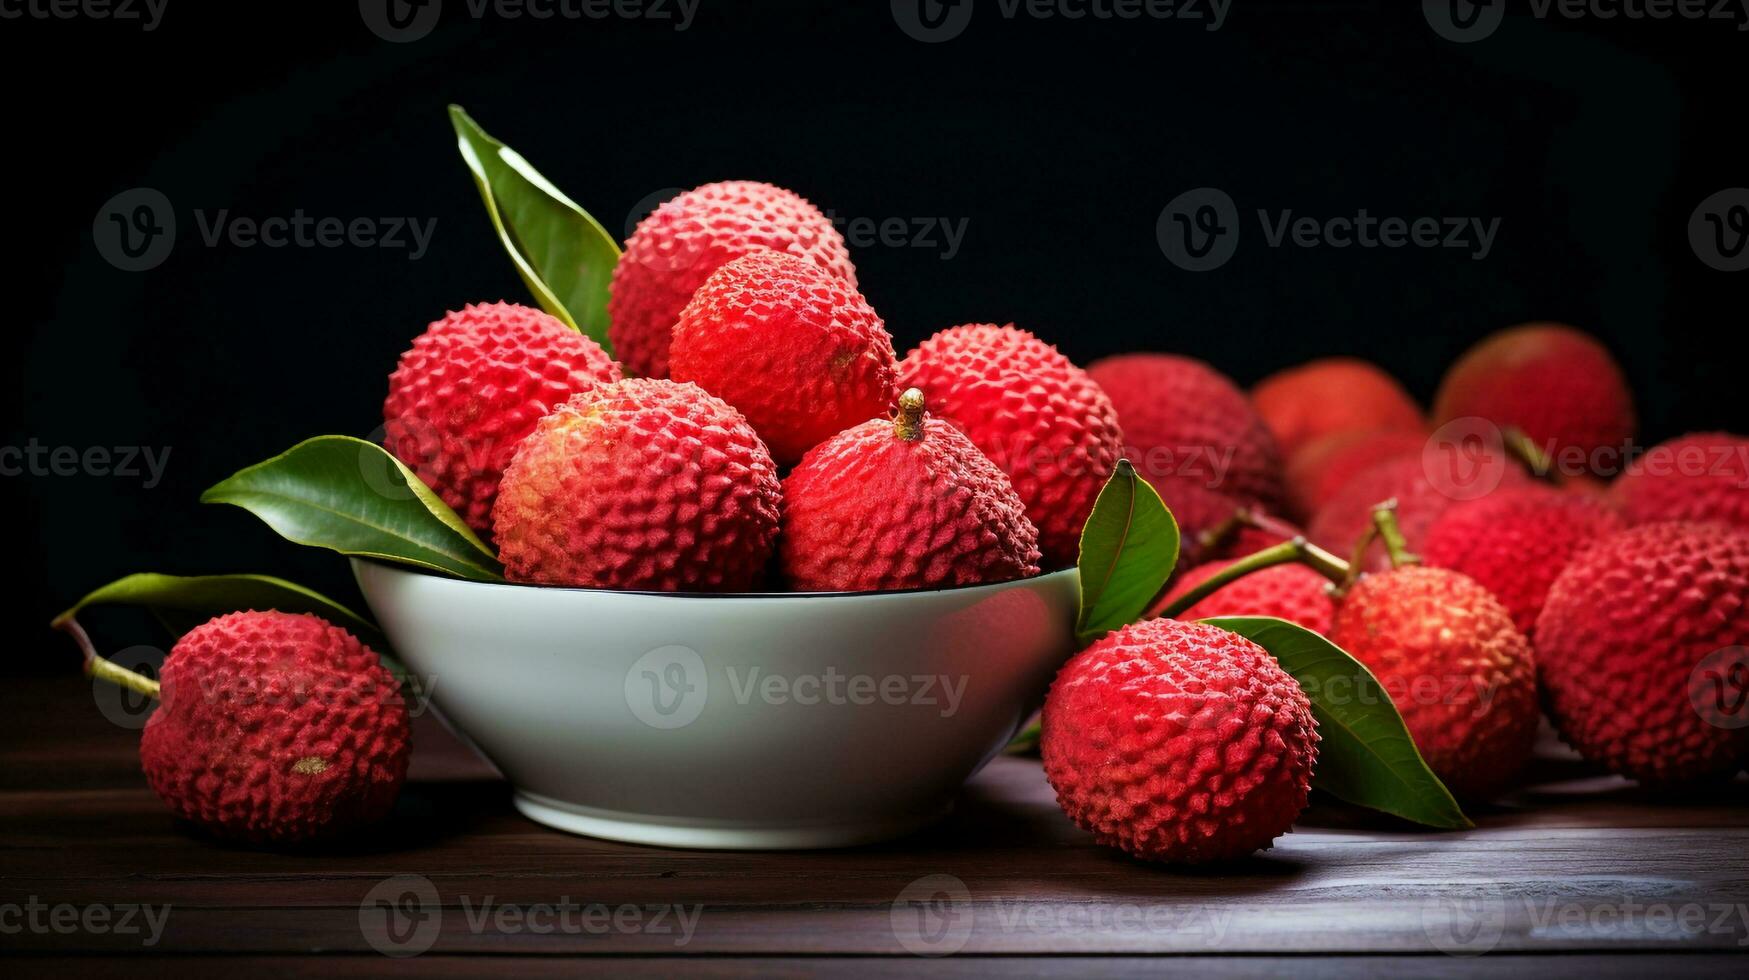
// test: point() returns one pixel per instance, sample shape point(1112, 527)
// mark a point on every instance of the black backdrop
point(1056, 142)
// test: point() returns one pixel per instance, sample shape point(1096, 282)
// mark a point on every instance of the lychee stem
point(96, 666)
point(1523, 448)
point(1241, 518)
point(1297, 549)
point(908, 424)
point(1384, 519)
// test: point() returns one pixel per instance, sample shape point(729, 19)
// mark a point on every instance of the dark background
point(1058, 142)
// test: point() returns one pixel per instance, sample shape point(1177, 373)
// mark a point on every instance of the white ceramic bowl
point(749, 721)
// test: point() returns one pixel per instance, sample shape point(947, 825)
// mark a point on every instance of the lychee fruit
point(1198, 512)
point(1461, 674)
point(1514, 543)
point(271, 728)
point(1183, 419)
point(1291, 592)
point(673, 250)
point(472, 386)
point(1558, 386)
point(1038, 417)
point(1179, 742)
point(1703, 476)
point(641, 485)
point(1424, 487)
point(796, 349)
point(902, 503)
point(1330, 395)
point(1320, 468)
point(1640, 650)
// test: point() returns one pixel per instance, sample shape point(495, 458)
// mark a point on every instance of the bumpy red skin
point(276, 728)
point(1460, 673)
point(1620, 638)
point(1559, 386)
point(1323, 466)
point(797, 350)
point(640, 485)
point(1036, 415)
point(472, 386)
point(1179, 743)
point(1342, 521)
point(1703, 476)
point(1333, 394)
point(1516, 542)
point(1182, 419)
point(687, 238)
point(1291, 592)
point(867, 511)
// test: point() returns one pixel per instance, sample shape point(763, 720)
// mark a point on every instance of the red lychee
point(1198, 511)
point(1183, 419)
point(1642, 649)
point(1424, 487)
point(1036, 415)
point(642, 485)
point(275, 728)
point(1322, 467)
point(687, 238)
point(472, 386)
point(1703, 476)
point(796, 349)
point(1514, 543)
point(1330, 395)
point(1559, 386)
point(1460, 673)
point(1179, 742)
point(1291, 592)
point(905, 503)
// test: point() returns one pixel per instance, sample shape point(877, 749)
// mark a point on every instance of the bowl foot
point(639, 828)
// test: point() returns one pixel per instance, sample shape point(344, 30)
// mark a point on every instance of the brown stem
point(908, 424)
point(1296, 550)
point(96, 666)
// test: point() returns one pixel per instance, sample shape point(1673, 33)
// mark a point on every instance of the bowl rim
point(405, 569)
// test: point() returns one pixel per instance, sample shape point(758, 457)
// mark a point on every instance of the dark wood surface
point(1578, 873)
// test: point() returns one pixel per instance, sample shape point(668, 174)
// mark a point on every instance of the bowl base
point(640, 828)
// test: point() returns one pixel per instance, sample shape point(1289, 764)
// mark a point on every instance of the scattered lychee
point(678, 245)
point(1332, 395)
point(1421, 498)
point(1623, 649)
point(1322, 467)
point(1179, 742)
point(1703, 476)
point(472, 386)
point(902, 503)
point(1038, 417)
point(796, 349)
point(643, 485)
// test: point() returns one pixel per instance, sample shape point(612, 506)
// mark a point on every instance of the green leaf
point(563, 254)
point(1365, 755)
point(351, 496)
point(182, 602)
point(1128, 548)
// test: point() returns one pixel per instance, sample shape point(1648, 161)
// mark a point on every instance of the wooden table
point(1578, 874)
